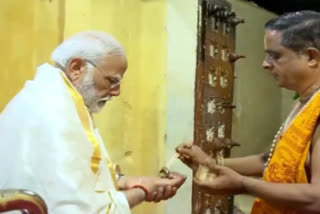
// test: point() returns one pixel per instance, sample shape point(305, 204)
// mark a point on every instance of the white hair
point(91, 45)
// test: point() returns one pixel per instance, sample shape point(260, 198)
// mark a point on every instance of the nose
point(266, 64)
point(115, 91)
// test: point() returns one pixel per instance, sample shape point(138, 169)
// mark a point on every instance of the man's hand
point(192, 156)
point(168, 191)
point(159, 188)
point(228, 182)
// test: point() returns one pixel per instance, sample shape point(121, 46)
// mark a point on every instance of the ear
point(313, 57)
point(75, 69)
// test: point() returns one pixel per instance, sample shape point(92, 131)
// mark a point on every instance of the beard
point(90, 94)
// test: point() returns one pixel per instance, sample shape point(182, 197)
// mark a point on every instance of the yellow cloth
point(287, 164)
point(86, 119)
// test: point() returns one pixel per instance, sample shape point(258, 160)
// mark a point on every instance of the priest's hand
point(227, 182)
point(192, 155)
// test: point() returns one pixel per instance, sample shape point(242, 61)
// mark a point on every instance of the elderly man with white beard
point(49, 143)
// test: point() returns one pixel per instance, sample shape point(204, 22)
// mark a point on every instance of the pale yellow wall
point(29, 31)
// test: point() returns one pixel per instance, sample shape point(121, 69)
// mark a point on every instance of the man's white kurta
point(44, 148)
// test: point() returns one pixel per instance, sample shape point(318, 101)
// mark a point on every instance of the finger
point(186, 156)
point(160, 193)
point(186, 144)
point(152, 197)
point(188, 163)
point(201, 183)
point(174, 174)
point(182, 178)
point(184, 160)
point(168, 193)
point(178, 181)
point(181, 146)
point(217, 169)
point(174, 190)
point(180, 157)
point(187, 152)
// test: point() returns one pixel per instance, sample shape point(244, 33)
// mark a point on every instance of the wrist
point(143, 189)
point(123, 182)
point(142, 193)
point(243, 181)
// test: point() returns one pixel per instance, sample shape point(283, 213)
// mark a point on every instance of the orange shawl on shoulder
point(287, 164)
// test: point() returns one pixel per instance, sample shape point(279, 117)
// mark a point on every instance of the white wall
point(256, 94)
point(182, 36)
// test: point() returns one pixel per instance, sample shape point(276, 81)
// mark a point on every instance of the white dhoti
point(48, 145)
